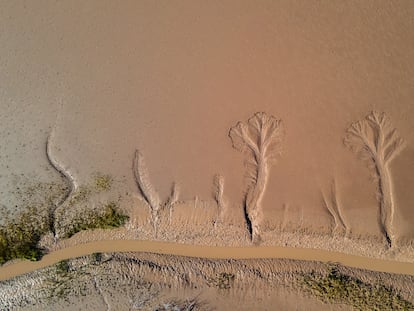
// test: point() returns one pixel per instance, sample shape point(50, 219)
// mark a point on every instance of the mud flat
point(142, 281)
point(220, 134)
point(256, 125)
point(174, 90)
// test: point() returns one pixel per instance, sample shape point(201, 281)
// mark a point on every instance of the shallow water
point(22, 267)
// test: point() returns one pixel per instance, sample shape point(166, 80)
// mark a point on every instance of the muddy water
point(22, 267)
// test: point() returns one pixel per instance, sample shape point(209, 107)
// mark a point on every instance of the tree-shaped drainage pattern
point(260, 139)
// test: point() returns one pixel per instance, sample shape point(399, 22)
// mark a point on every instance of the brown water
point(211, 252)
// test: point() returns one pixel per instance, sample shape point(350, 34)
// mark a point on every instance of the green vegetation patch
point(96, 257)
point(62, 267)
point(103, 182)
point(20, 234)
point(337, 287)
point(19, 238)
point(111, 217)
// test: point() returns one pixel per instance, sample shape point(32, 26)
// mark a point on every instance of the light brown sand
point(172, 78)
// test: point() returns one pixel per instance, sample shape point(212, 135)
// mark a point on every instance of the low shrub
point(337, 287)
point(111, 217)
point(20, 238)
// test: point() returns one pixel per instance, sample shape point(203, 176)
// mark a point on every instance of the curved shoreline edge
point(209, 252)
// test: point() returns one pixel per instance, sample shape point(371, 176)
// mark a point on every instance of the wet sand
point(14, 269)
point(171, 79)
point(136, 281)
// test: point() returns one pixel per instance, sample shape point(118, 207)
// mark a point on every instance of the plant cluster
point(103, 182)
point(110, 217)
point(20, 234)
point(19, 238)
point(337, 287)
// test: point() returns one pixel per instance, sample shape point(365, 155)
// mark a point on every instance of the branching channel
point(260, 139)
point(149, 194)
point(375, 140)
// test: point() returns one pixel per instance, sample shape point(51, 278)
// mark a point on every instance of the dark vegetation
point(20, 238)
point(20, 234)
point(337, 287)
point(110, 218)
